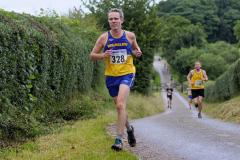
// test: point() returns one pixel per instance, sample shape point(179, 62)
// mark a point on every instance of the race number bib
point(198, 83)
point(169, 93)
point(118, 56)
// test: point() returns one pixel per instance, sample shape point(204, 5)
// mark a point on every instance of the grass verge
point(141, 106)
point(227, 111)
point(85, 139)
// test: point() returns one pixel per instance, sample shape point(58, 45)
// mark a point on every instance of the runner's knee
point(195, 101)
point(200, 100)
point(120, 105)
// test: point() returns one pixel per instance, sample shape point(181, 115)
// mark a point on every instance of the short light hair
point(118, 11)
point(198, 62)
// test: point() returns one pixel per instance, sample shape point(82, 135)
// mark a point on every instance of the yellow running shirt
point(196, 79)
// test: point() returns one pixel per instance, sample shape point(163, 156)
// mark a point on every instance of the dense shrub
point(226, 86)
point(44, 61)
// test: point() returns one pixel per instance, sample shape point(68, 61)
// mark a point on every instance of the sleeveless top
point(197, 79)
point(121, 61)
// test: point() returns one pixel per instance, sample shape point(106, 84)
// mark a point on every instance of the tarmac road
point(178, 134)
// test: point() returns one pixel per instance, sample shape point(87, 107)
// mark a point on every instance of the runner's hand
point(107, 53)
point(204, 79)
point(191, 83)
point(137, 53)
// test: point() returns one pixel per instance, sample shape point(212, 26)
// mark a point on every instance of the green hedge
point(44, 61)
point(226, 86)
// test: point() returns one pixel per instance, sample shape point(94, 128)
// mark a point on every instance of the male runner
point(196, 78)
point(169, 95)
point(118, 47)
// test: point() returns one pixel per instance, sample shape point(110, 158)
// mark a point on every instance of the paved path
point(178, 134)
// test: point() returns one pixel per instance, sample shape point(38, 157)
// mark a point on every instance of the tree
point(184, 61)
point(215, 57)
point(177, 32)
point(227, 51)
point(229, 13)
point(197, 11)
point(217, 16)
point(237, 30)
point(215, 65)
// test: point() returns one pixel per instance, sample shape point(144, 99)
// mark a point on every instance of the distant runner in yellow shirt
point(196, 79)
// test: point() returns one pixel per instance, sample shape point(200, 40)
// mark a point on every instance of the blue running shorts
point(113, 83)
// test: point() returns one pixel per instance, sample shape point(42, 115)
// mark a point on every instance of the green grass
point(141, 106)
point(84, 139)
point(227, 111)
point(156, 81)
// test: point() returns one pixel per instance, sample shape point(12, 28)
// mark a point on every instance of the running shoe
point(199, 115)
point(118, 145)
point(131, 137)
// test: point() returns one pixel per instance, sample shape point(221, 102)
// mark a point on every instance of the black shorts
point(197, 92)
point(169, 96)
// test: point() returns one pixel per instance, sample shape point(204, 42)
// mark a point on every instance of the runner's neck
point(117, 33)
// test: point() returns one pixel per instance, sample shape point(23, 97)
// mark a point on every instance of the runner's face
point(197, 66)
point(114, 20)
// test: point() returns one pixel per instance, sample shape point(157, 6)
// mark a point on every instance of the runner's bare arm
point(136, 49)
point(205, 76)
point(96, 51)
point(189, 76)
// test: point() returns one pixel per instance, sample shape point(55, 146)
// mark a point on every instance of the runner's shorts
point(113, 83)
point(190, 97)
point(169, 96)
point(197, 92)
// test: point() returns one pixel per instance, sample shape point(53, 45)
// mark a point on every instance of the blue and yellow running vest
point(121, 61)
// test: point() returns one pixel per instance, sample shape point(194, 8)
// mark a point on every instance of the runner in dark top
point(169, 91)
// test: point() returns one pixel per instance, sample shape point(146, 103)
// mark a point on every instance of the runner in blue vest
point(117, 47)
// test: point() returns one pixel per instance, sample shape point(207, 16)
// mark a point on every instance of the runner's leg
point(121, 101)
point(127, 125)
point(200, 104)
point(170, 99)
point(200, 107)
point(195, 101)
point(190, 103)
